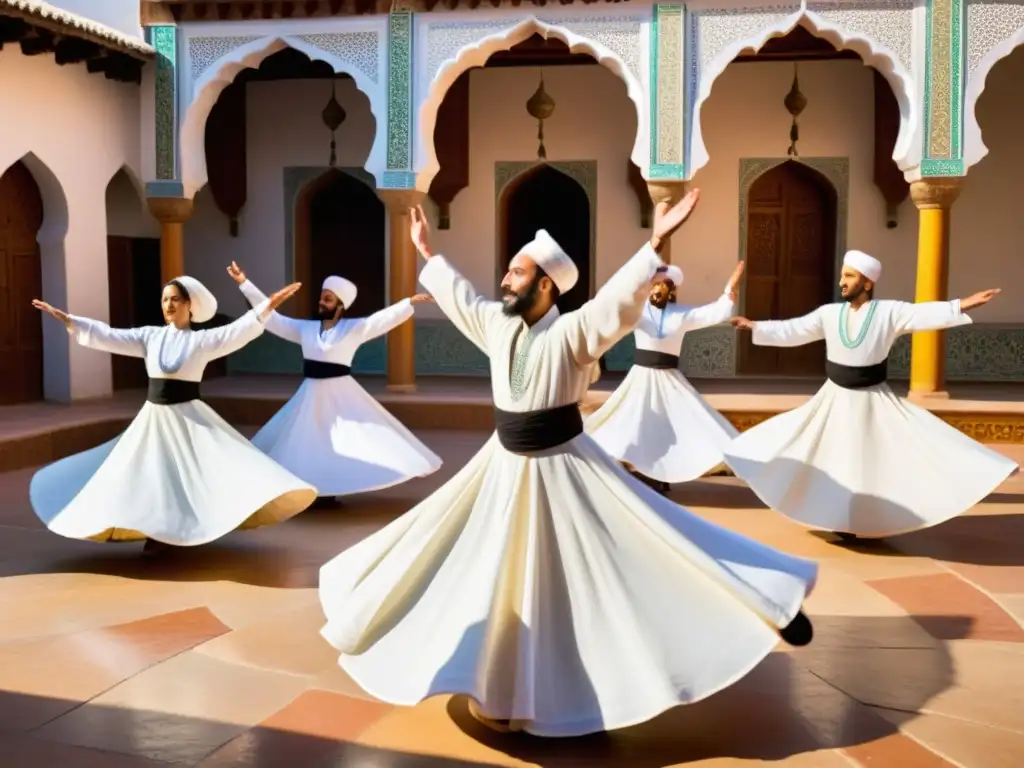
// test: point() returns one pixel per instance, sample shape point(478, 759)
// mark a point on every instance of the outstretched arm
point(471, 313)
point(695, 318)
point(938, 315)
point(287, 328)
point(95, 334)
point(384, 320)
point(221, 342)
point(614, 311)
point(787, 333)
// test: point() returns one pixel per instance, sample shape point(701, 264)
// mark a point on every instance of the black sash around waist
point(857, 377)
point(318, 369)
point(172, 391)
point(531, 431)
point(646, 358)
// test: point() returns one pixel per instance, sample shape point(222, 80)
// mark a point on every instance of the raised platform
point(38, 433)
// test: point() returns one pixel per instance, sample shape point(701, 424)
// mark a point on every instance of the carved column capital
point(936, 193)
point(665, 191)
point(170, 210)
point(400, 200)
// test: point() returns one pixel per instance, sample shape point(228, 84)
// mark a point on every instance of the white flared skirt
point(336, 437)
point(559, 592)
point(658, 423)
point(865, 462)
point(179, 474)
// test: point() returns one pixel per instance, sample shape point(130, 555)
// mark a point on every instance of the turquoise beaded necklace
point(844, 314)
point(661, 320)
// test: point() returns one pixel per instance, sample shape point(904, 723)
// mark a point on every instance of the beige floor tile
point(964, 743)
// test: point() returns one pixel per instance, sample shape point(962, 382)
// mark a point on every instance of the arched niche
point(980, 64)
point(217, 76)
point(475, 54)
point(508, 175)
point(710, 64)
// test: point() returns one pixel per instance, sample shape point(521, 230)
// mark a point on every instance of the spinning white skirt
point(658, 423)
point(865, 462)
point(559, 592)
point(179, 474)
point(335, 436)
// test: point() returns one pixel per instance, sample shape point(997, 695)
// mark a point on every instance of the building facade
point(294, 136)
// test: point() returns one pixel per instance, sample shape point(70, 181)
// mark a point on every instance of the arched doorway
point(21, 280)
point(546, 198)
point(791, 241)
point(340, 230)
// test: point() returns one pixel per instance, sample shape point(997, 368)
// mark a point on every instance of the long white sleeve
point(472, 314)
point(928, 316)
point(695, 318)
point(384, 320)
point(95, 334)
point(221, 342)
point(789, 333)
point(595, 327)
point(287, 328)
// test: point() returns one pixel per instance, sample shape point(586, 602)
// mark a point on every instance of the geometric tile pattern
point(210, 656)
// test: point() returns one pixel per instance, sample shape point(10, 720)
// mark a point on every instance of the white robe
point(332, 433)
point(864, 461)
point(179, 474)
point(554, 588)
point(655, 420)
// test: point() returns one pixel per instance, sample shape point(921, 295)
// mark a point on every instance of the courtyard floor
point(211, 656)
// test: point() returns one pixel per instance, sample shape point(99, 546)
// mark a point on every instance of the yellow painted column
point(172, 213)
point(934, 198)
point(402, 273)
point(670, 192)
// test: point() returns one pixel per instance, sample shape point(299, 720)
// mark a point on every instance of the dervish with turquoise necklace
point(856, 459)
point(655, 422)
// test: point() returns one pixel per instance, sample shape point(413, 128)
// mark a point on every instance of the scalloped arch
point(222, 73)
point(476, 55)
point(907, 151)
point(974, 143)
point(55, 201)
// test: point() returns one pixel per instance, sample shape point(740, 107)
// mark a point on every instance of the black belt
point(647, 358)
point(172, 391)
point(318, 369)
point(530, 431)
point(857, 377)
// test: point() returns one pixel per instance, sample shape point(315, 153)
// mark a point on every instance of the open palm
point(668, 219)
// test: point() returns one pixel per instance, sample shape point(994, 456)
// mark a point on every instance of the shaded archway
point(790, 251)
point(21, 280)
point(340, 229)
point(133, 272)
point(546, 198)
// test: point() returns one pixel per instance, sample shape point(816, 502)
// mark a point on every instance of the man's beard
point(854, 293)
point(523, 302)
point(659, 301)
point(324, 315)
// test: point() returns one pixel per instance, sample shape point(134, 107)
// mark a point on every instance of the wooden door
point(21, 280)
point(133, 278)
point(791, 220)
point(549, 199)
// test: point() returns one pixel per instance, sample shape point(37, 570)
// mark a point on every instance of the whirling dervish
point(179, 474)
point(856, 459)
point(558, 592)
point(332, 433)
point(655, 422)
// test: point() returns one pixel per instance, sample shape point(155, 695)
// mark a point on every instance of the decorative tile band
point(944, 74)
point(667, 93)
point(399, 154)
point(164, 38)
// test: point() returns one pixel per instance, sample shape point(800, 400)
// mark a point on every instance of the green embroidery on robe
point(520, 359)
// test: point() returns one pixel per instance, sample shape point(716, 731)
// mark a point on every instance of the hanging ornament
point(795, 102)
point(540, 107)
point(333, 116)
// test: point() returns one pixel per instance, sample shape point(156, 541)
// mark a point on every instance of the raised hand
point(421, 298)
point(668, 219)
point(734, 281)
point(741, 323)
point(42, 306)
point(419, 231)
point(280, 297)
point(980, 299)
point(236, 273)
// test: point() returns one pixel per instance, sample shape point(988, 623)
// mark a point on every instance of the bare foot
point(501, 726)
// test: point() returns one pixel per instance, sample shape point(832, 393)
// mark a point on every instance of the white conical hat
point(549, 256)
point(868, 266)
point(675, 274)
point(344, 289)
point(204, 303)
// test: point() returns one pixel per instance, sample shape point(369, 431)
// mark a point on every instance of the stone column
point(933, 197)
point(670, 192)
point(172, 213)
point(402, 272)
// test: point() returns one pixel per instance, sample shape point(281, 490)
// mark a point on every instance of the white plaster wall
point(122, 15)
point(284, 129)
point(745, 118)
point(988, 218)
point(593, 120)
point(80, 129)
